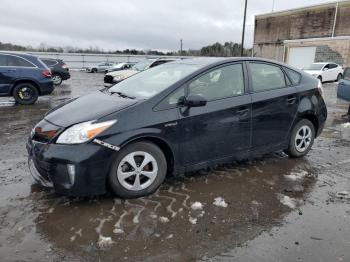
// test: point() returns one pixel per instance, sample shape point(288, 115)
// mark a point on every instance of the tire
point(338, 78)
point(25, 94)
point(94, 70)
point(320, 78)
point(57, 79)
point(123, 178)
point(303, 133)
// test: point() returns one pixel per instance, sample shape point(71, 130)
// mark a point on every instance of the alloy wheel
point(303, 138)
point(137, 171)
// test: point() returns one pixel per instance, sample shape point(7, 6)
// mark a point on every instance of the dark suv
point(59, 70)
point(24, 77)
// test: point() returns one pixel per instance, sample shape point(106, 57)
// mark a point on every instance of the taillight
point(320, 88)
point(46, 73)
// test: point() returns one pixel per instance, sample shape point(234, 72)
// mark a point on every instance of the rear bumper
point(46, 88)
point(65, 75)
point(72, 170)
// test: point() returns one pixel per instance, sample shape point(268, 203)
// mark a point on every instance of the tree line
point(217, 49)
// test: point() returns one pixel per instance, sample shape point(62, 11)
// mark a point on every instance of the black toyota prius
point(175, 118)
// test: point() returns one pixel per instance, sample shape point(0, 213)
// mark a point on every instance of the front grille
point(108, 79)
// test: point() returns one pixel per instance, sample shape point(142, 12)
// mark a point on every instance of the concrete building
point(302, 36)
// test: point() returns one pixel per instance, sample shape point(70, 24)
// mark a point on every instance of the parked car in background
point(116, 77)
point(59, 70)
point(119, 67)
point(101, 67)
point(172, 119)
point(343, 90)
point(325, 71)
point(25, 77)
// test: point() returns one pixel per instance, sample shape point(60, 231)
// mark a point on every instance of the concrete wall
point(335, 50)
point(272, 30)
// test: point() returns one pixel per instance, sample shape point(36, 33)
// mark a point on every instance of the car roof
point(24, 55)
point(206, 61)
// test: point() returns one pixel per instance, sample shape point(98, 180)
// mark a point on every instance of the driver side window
point(224, 82)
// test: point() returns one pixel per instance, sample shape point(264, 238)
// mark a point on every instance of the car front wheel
point(301, 139)
point(25, 94)
point(138, 170)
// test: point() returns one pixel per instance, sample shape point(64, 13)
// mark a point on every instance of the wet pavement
point(272, 208)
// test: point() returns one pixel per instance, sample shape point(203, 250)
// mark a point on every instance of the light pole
point(243, 30)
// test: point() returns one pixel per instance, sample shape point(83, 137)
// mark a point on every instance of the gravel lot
point(278, 209)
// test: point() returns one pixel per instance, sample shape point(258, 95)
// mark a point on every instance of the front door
point(223, 126)
point(274, 105)
point(344, 86)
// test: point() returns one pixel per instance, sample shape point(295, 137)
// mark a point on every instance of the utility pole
point(180, 46)
point(243, 30)
point(273, 5)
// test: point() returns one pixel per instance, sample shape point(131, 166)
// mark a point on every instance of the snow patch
point(197, 206)
point(192, 220)
point(104, 242)
point(287, 201)
point(118, 231)
point(294, 176)
point(164, 219)
point(220, 202)
point(346, 125)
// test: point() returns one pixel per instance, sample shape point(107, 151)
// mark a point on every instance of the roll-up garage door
point(301, 56)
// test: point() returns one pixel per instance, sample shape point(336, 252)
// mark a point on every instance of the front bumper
point(73, 170)
point(108, 79)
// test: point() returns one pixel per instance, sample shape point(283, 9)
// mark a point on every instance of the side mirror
point(325, 69)
point(192, 101)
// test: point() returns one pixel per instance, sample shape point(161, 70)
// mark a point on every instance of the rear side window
point(266, 77)
point(49, 62)
point(332, 66)
point(3, 60)
point(294, 76)
point(17, 61)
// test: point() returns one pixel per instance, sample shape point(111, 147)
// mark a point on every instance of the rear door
point(221, 127)
point(8, 74)
point(274, 104)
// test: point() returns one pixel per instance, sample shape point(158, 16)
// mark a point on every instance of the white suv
point(325, 71)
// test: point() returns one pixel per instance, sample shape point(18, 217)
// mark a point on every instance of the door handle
point(291, 100)
point(242, 111)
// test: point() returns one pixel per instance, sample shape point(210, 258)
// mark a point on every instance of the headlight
point(118, 78)
point(83, 132)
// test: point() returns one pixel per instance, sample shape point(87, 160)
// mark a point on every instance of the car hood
point(313, 72)
point(87, 108)
point(125, 73)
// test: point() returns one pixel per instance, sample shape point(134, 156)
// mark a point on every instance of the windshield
point(314, 67)
point(151, 82)
point(120, 65)
point(140, 66)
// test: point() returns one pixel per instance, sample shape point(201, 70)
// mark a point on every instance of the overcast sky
point(140, 24)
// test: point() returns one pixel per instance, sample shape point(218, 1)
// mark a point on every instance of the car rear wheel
point(138, 170)
point(25, 93)
point(94, 70)
point(57, 79)
point(301, 139)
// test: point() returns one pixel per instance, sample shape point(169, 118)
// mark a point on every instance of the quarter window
point(220, 83)
point(266, 77)
point(293, 75)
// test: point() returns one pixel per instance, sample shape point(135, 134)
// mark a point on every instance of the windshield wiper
point(121, 94)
